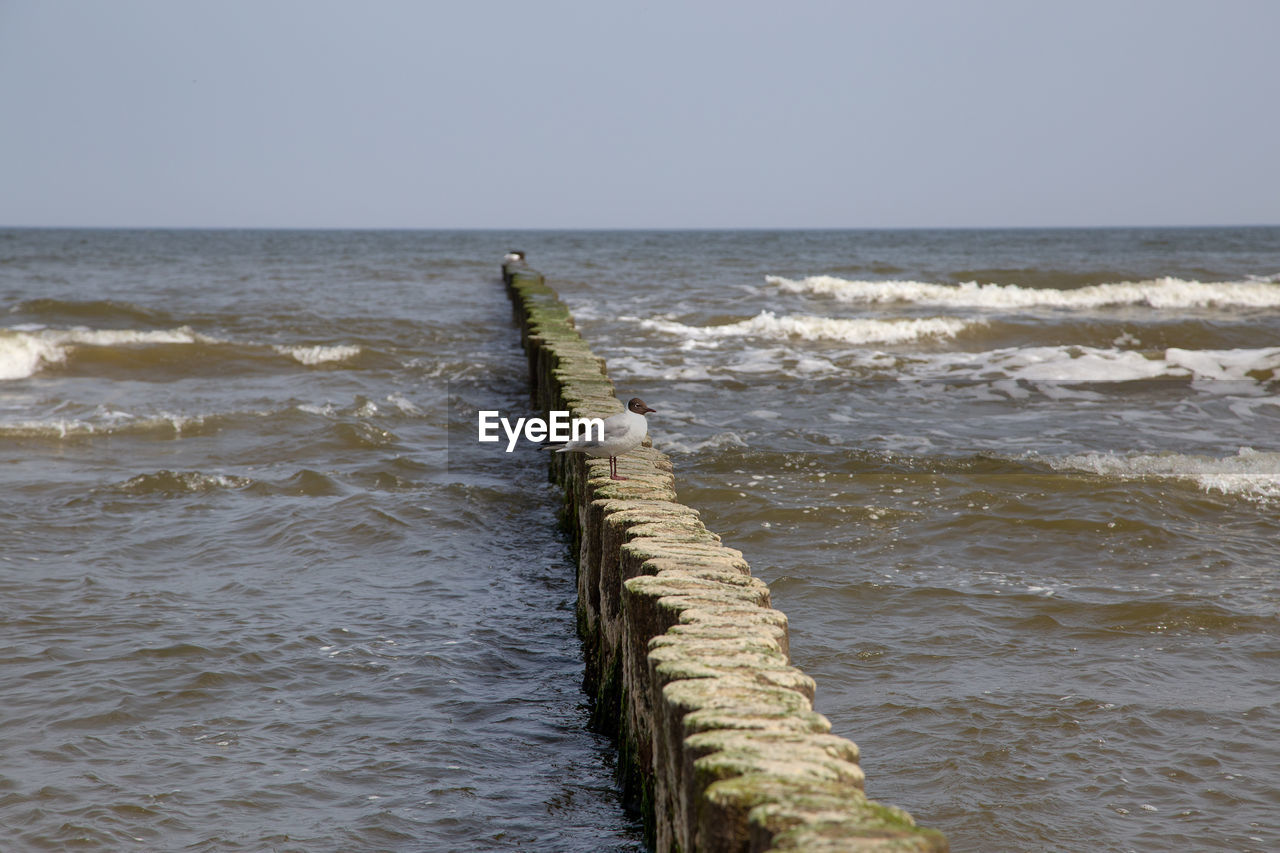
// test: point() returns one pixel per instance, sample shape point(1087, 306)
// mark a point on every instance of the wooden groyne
point(685, 656)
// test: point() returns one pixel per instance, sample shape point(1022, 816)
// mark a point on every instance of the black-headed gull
point(622, 432)
point(513, 256)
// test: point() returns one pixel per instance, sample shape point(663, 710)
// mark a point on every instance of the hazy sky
point(544, 114)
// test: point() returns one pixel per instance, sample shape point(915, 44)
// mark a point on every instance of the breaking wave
point(28, 349)
point(314, 355)
point(25, 350)
point(1250, 473)
point(1158, 293)
point(1093, 364)
point(766, 324)
point(109, 423)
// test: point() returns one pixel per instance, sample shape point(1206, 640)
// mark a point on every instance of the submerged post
point(685, 656)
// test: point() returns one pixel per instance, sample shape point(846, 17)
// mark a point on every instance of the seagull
point(622, 432)
point(513, 257)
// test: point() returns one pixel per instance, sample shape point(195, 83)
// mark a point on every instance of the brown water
point(251, 599)
point(1025, 529)
point(255, 596)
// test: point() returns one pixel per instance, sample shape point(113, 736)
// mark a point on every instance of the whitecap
point(1081, 364)
point(26, 350)
point(22, 354)
point(313, 355)
point(402, 403)
point(1164, 293)
point(1229, 365)
point(1250, 473)
point(678, 443)
point(767, 324)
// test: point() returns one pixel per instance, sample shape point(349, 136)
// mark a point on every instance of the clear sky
point(546, 114)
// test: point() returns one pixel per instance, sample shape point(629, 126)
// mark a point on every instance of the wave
point(168, 483)
point(88, 422)
point(1093, 364)
point(1250, 473)
point(25, 350)
point(47, 310)
point(313, 355)
point(1162, 293)
point(766, 324)
point(172, 484)
point(1246, 369)
point(111, 423)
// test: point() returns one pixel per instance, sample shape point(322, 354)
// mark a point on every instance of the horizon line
point(634, 228)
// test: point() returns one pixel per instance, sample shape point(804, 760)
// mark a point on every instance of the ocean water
point(1017, 491)
point(252, 598)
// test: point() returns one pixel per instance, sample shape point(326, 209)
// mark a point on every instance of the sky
point(547, 114)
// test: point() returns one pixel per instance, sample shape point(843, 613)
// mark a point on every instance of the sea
point(1018, 492)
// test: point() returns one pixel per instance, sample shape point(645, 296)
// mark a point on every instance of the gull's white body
point(622, 432)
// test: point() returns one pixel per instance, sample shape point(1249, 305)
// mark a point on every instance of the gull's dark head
point(637, 405)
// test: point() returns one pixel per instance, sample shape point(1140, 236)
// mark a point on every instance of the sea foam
point(1094, 364)
point(1157, 293)
point(314, 355)
point(26, 350)
point(101, 422)
point(766, 324)
point(1250, 473)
